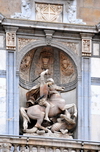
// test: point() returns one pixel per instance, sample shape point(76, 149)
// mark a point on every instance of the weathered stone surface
point(8, 8)
point(88, 3)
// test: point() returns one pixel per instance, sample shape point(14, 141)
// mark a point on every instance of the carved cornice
point(47, 25)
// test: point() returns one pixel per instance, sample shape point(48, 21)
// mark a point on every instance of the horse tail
point(25, 117)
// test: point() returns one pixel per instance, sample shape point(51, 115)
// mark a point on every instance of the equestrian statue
point(47, 107)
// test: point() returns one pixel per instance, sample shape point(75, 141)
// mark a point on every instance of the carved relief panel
point(11, 40)
point(25, 66)
point(67, 69)
point(61, 67)
point(86, 47)
point(48, 12)
point(45, 61)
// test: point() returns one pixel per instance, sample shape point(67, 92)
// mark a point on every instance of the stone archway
point(58, 54)
point(30, 58)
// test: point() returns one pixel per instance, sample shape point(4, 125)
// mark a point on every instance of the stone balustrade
point(41, 144)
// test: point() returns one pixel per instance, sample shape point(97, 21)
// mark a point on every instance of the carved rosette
point(22, 42)
point(45, 61)
point(67, 69)
point(86, 47)
point(11, 40)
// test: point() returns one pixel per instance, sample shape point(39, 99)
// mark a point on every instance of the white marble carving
point(1, 41)
point(11, 40)
point(49, 12)
point(71, 12)
point(60, 11)
point(2, 105)
point(95, 67)
point(26, 10)
point(3, 60)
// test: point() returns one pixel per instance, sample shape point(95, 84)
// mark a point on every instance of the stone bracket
point(49, 35)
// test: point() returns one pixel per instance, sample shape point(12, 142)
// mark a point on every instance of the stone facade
point(84, 9)
point(70, 51)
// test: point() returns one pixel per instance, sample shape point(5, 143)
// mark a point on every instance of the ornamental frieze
point(73, 46)
point(22, 42)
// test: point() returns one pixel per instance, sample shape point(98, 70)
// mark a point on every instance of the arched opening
point(61, 68)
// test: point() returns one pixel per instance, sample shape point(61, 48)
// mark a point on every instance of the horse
point(57, 106)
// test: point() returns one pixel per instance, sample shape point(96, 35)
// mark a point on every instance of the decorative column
point(12, 93)
point(84, 104)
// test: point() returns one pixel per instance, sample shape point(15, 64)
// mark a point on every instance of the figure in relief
point(67, 68)
point(44, 89)
point(45, 61)
point(48, 92)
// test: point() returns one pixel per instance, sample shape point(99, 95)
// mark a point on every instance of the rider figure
point(44, 90)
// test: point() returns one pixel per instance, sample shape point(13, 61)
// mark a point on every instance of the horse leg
point(25, 117)
point(39, 122)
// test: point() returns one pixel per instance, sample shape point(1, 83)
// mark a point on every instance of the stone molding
point(47, 25)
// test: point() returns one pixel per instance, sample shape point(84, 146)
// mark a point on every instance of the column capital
point(86, 44)
point(11, 37)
